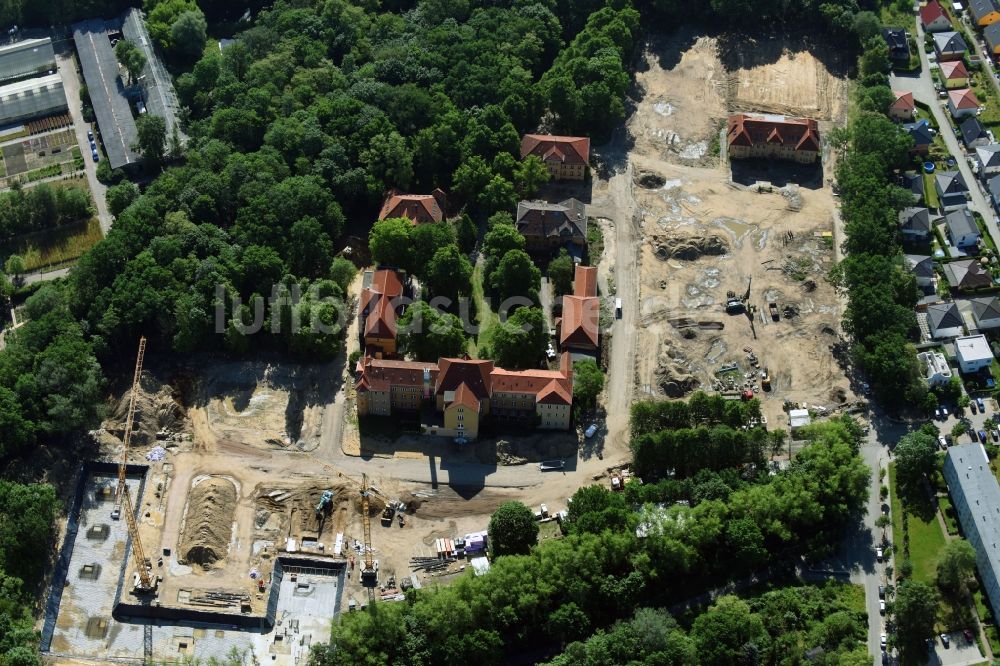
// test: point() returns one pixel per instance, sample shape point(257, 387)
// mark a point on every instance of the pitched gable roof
point(972, 130)
point(950, 42)
point(381, 375)
point(966, 274)
point(982, 8)
point(961, 223)
point(989, 156)
point(570, 150)
point(917, 220)
point(548, 386)
point(931, 12)
point(991, 34)
point(580, 321)
point(993, 185)
point(566, 219)
point(378, 303)
point(963, 98)
point(585, 281)
point(985, 307)
point(914, 182)
point(920, 265)
point(752, 129)
point(903, 101)
point(944, 315)
point(896, 39)
point(920, 131)
point(950, 182)
point(953, 69)
point(418, 208)
point(457, 371)
point(464, 397)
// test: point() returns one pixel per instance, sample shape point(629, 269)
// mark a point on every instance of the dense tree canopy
point(512, 530)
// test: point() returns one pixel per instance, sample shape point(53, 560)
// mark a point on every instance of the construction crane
point(369, 575)
point(144, 581)
point(133, 392)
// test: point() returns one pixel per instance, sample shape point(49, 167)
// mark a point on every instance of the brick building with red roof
point(417, 208)
point(378, 311)
point(566, 157)
point(751, 135)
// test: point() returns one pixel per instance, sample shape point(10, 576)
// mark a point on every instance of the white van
point(618, 308)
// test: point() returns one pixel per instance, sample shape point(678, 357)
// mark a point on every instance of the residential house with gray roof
point(916, 224)
point(922, 268)
point(988, 158)
point(966, 275)
point(951, 189)
point(986, 312)
point(944, 321)
point(962, 228)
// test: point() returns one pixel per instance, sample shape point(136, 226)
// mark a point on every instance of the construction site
point(732, 272)
point(213, 523)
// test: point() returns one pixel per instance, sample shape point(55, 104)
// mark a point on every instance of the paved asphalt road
point(71, 85)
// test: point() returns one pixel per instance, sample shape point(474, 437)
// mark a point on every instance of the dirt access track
point(701, 235)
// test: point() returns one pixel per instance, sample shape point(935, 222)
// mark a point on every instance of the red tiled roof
point(580, 320)
point(549, 386)
point(555, 393)
point(378, 301)
point(457, 371)
point(585, 281)
point(931, 12)
point(418, 208)
point(954, 69)
point(548, 148)
point(749, 129)
point(963, 99)
point(464, 398)
point(904, 101)
point(381, 375)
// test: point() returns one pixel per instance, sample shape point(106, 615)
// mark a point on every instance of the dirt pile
point(208, 522)
point(689, 248)
point(156, 410)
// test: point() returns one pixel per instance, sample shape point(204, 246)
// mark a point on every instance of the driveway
point(71, 84)
point(922, 87)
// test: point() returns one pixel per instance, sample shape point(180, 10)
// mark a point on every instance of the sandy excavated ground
point(703, 235)
point(688, 90)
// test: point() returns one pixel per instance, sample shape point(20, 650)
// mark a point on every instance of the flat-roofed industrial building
point(32, 98)
point(26, 58)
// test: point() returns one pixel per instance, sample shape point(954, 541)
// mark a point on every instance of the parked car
point(881, 607)
point(972, 406)
point(937, 414)
point(90, 135)
point(93, 154)
point(942, 442)
point(944, 640)
point(981, 404)
point(882, 641)
point(881, 591)
point(982, 436)
point(944, 412)
point(590, 431)
point(878, 554)
point(995, 435)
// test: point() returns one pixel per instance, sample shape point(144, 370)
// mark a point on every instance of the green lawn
point(485, 317)
point(894, 15)
point(926, 538)
point(930, 194)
